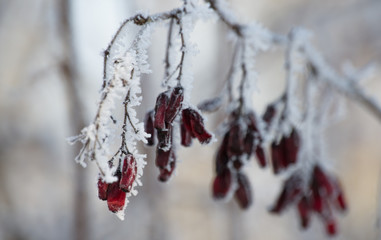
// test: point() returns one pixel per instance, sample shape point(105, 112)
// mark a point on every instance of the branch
point(342, 84)
point(140, 20)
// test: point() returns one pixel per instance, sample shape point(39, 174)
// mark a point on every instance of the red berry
point(166, 173)
point(236, 141)
point(269, 113)
point(174, 104)
point(222, 158)
point(186, 136)
point(164, 137)
point(163, 158)
point(249, 143)
point(292, 188)
point(160, 110)
point(149, 128)
point(222, 184)
point(322, 181)
point(277, 157)
point(115, 197)
point(102, 189)
point(261, 158)
point(292, 147)
point(304, 212)
point(194, 123)
point(339, 199)
point(331, 227)
point(129, 171)
point(243, 193)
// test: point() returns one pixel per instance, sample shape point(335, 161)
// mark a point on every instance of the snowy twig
point(343, 84)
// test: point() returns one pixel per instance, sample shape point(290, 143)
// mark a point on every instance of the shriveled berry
point(163, 157)
point(304, 212)
point(322, 181)
point(222, 184)
point(174, 104)
point(251, 122)
point(269, 113)
point(249, 144)
point(149, 128)
point(236, 141)
point(237, 164)
point(292, 147)
point(186, 136)
point(277, 157)
point(222, 158)
point(261, 158)
point(129, 171)
point(243, 193)
point(339, 198)
point(292, 188)
point(166, 173)
point(164, 137)
point(317, 201)
point(194, 123)
point(160, 110)
point(102, 189)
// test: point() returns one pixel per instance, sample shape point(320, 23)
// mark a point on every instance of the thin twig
point(342, 84)
point(183, 49)
point(169, 46)
point(137, 20)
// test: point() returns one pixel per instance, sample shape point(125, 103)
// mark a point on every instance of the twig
point(343, 84)
point(183, 49)
point(169, 46)
point(137, 20)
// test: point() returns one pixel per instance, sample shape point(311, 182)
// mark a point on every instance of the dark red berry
point(269, 113)
point(292, 147)
point(277, 157)
point(163, 158)
point(322, 181)
point(222, 158)
point(243, 193)
point(261, 158)
point(186, 136)
point(304, 212)
point(251, 122)
point(160, 110)
point(236, 141)
point(194, 123)
point(292, 189)
point(166, 172)
point(222, 184)
point(249, 144)
point(174, 104)
point(164, 137)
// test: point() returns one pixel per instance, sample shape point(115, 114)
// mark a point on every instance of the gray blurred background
point(45, 195)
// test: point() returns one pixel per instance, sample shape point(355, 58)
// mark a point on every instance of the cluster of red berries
point(240, 141)
point(115, 193)
point(160, 122)
point(317, 196)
